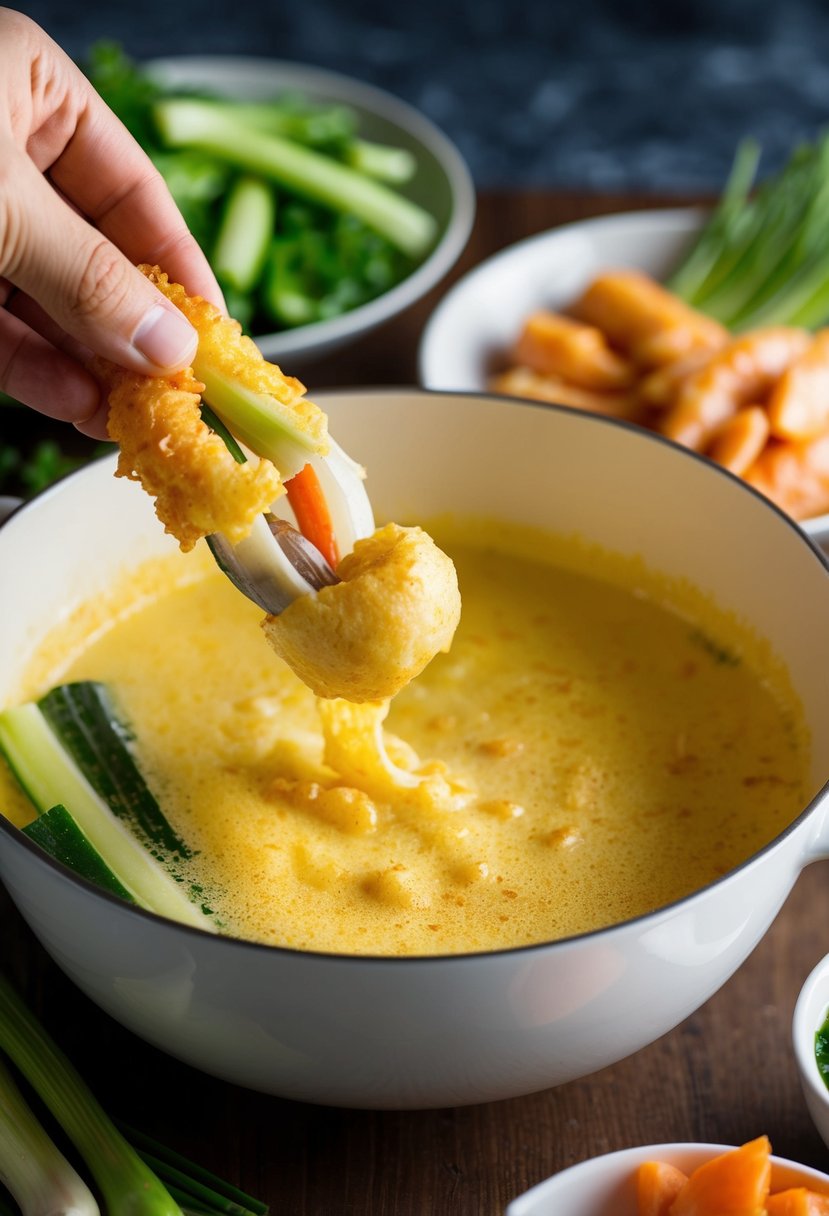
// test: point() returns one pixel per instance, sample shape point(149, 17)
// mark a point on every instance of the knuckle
point(103, 284)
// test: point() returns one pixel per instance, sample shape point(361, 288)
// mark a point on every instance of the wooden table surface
point(726, 1074)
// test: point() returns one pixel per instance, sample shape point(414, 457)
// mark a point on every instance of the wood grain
point(725, 1074)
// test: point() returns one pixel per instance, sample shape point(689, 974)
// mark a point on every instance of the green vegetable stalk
point(764, 259)
point(34, 1170)
point(214, 128)
point(127, 1185)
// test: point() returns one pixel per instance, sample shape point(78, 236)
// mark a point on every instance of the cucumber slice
point(71, 749)
point(58, 835)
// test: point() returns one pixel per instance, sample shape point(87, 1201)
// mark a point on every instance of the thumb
point(82, 280)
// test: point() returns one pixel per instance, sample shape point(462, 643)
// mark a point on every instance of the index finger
point(109, 177)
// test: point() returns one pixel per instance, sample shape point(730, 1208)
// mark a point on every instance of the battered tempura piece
point(366, 637)
point(397, 604)
point(198, 486)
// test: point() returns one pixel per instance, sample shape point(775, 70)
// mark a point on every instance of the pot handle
point(8, 506)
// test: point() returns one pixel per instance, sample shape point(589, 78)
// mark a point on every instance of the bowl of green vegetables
point(325, 205)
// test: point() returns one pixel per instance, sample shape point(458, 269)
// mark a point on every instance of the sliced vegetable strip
point(312, 515)
point(57, 833)
point(189, 122)
point(83, 717)
point(50, 775)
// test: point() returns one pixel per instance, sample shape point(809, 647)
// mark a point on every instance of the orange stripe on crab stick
point(312, 515)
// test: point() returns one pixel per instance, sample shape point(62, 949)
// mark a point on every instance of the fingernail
point(165, 337)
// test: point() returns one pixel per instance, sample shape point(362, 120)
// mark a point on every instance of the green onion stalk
point(127, 1185)
point(31, 1166)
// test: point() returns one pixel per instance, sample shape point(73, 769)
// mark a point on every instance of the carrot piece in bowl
point(734, 1184)
point(797, 1201)
point(794, 475)
point(524, 382)
point(799, 403)
point(645, 320)
point(739, 442)
point(657, 1186)
point(559, 346)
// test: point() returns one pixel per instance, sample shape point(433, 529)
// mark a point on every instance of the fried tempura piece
point(197, 485)
point(225, 351)
point(366, 637)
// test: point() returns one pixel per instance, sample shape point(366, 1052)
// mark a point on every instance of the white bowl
point(442, 183)
point(606, 1186)
point(811, 1011)
point(438, 1031)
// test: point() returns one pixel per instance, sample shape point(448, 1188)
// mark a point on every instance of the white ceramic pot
point(385, 1032)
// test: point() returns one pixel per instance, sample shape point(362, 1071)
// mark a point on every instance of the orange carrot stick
point(657, 1186)
point(312, 515)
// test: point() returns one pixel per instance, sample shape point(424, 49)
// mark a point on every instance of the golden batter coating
point(366, 637)
point(226, 349)
point(197, 485)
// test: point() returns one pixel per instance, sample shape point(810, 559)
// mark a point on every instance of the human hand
point(80, 204)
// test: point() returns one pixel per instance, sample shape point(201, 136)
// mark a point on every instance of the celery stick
point(387, 164)
point(184, 122)
point(323, 126)
point(260, 422)
point(244, 234)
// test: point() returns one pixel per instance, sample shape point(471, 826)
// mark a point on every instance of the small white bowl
point(442, 183)
point(606, 1186)
point(810, 1012)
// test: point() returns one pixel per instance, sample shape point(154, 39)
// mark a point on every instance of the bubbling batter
point(583, 754)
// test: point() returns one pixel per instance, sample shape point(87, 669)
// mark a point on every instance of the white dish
point(437, 1031)
point(606, 1186)
point(811, 1011)
point(480, 318)
point(442, 183)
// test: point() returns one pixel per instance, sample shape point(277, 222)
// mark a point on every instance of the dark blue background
point(602, 94)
